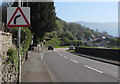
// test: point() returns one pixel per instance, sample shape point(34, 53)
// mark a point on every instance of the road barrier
point(110, 54)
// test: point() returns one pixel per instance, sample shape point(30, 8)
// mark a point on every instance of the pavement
point(33, 70)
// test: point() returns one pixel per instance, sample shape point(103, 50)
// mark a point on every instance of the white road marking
point(42, 54)
point(74, 61)
point(65, 57)
point(59, 54)
point(93, 69)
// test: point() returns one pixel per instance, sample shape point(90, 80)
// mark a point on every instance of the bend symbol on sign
point(17, 16)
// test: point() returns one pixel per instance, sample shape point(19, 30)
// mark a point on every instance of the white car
point(71, 48)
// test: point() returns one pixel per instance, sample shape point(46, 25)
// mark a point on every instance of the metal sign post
point(19, 57)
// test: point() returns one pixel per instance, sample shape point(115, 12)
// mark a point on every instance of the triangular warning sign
point(18, 19)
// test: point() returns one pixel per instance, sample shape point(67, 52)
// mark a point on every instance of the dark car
point(50, 48)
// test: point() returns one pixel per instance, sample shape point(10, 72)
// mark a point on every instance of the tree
point(87, 34)
point(59, 25)
point(43, 18)
point(118, 41)
point(113, 42)
point(68, 35)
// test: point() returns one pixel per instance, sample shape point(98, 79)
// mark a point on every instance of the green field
point(71, 50)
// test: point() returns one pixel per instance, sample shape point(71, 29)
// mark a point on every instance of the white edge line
point(93, 69)
point(42, 54)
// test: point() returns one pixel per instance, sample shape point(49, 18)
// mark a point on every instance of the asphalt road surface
point(66, 67)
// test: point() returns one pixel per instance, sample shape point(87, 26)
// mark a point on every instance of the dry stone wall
point(7, 70)
point(0, 59)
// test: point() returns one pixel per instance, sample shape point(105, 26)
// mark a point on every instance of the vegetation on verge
point(13, 58)
point(26, 37)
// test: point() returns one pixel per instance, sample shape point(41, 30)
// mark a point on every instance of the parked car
point(50, 48)
point(71, 48)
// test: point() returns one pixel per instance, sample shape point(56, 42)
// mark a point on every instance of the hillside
point(110, 27)
point(75, 34)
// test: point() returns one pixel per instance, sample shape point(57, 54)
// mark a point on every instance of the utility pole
point(19, 57)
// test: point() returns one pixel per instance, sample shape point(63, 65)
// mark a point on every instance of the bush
point(13, 58)
point(26, 38)
point(53, 42)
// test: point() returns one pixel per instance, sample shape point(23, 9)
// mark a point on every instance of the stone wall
point(5, 42)
point(7, 70)
point(110, 54)
point(0, 59)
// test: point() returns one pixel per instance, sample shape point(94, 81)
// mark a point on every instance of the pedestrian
point(26, 56)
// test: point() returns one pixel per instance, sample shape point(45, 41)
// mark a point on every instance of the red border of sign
point(18, 9)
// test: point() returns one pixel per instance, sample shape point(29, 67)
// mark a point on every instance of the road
point(66, 67)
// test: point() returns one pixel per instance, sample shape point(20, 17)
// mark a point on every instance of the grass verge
point(61, 46)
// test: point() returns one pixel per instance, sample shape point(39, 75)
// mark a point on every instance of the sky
point(87, 11)
point(0, 1)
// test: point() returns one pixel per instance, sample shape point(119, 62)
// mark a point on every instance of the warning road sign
point(18, 17)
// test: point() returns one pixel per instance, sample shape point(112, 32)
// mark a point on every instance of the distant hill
point(110, 27)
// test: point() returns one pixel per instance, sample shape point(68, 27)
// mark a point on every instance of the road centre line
point(74, 61)
point(65, 57)
point(93, 69)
